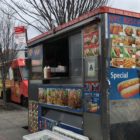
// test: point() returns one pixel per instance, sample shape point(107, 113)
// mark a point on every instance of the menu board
point(124, 41)
point(64, 97)
point(91, 40)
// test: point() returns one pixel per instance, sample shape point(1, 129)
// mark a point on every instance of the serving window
point(64, 57)
point(56, 57)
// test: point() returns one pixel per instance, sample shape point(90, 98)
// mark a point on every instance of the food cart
point(84, 76)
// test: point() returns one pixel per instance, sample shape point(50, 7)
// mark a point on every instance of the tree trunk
point(4, 86)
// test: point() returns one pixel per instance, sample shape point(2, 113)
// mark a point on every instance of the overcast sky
point(131, 5)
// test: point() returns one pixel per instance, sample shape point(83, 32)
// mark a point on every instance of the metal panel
point(62, 117)
point(123, 111)
point(92, 127)
point(104, 67)
point(33, 92)
point(92, 121)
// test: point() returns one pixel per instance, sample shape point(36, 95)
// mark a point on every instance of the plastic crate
point(45, 135)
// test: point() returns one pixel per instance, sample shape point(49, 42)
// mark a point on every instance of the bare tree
point(50, 13)
point(8, 48)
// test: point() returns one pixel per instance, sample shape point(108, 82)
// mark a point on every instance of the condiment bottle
point(45, 72)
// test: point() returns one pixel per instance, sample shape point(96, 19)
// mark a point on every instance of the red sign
point(20, 35)
point(19, 29)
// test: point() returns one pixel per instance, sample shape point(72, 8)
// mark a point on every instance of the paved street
point(12, 121)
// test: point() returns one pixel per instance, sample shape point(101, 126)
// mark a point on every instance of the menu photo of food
point(57, 96)
point(117, 62)
point(90, 28)
point(137, 42)
point(124, 30)
point(50, 96)
point(138, 58)
point(138, 31)
point(92, 102)
point(91, 39)
point(126, 41)
point(116, 28)
point(64, 97)
point(129, 30)
point(126, 52)
point(42, 95)
point(129, 41)
point(129, 88)
point(91, 52)
point(137, 62)
point(74, 98)
point(123, 62)
point(129, 63)
point(117, 40)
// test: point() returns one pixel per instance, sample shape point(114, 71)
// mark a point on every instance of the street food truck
point(84, 76)
point(17, 82)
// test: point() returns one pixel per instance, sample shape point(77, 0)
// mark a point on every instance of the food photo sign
point(124, 41)
point(91, 40)
point(63, 97)
point(92, 102)
point(92, 97)
point(125, 84)
point(124, 95)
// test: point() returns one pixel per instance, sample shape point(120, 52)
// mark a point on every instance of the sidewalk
point(12, 121)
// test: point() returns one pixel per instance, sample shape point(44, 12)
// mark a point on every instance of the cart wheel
point(24, 101)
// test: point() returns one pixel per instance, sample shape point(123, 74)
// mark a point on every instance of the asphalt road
point(12, 120)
